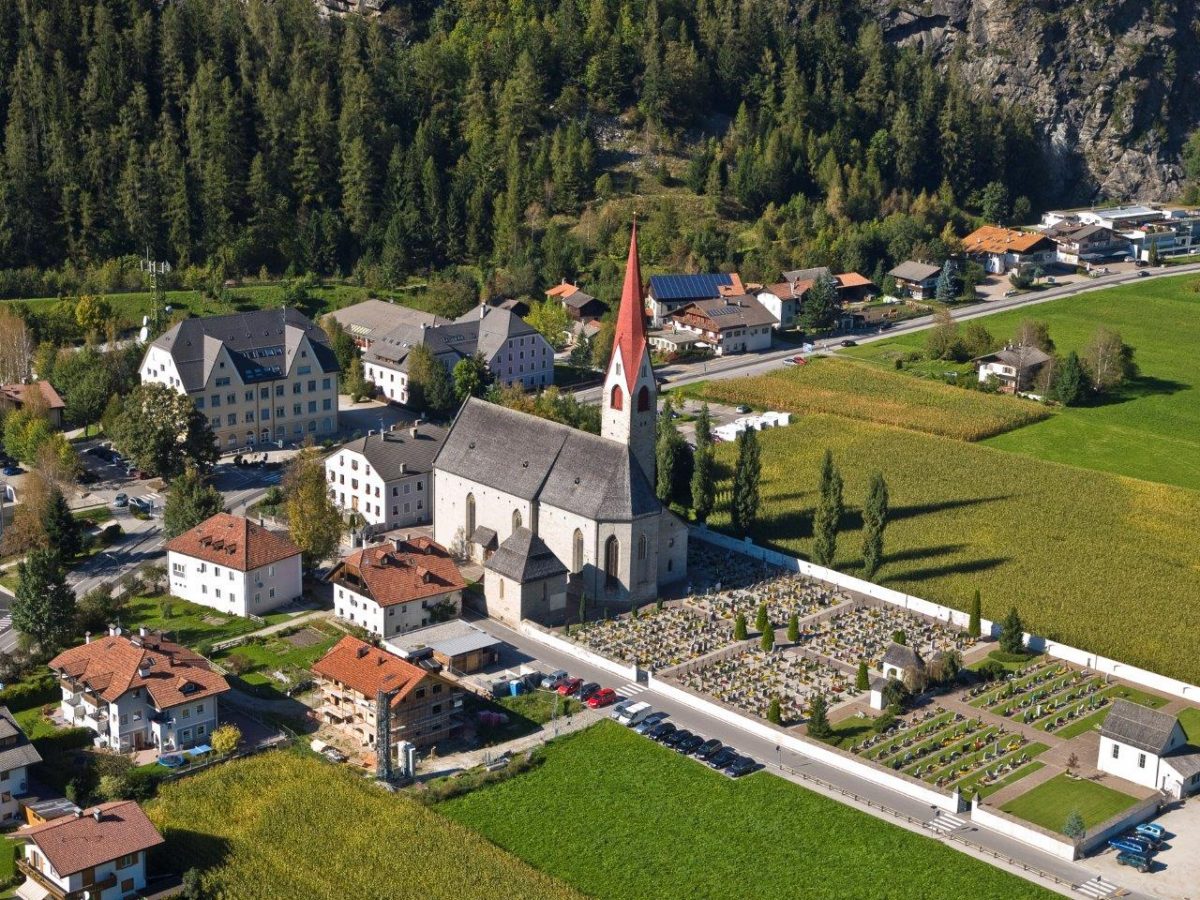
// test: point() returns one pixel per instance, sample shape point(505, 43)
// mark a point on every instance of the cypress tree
point(704, 467)
point(874, 521)
point(739, 627)
point(774, 713)
point(862, 681)
point(746, 481)
point(793, 629)
point(768, 640)
point(974, 628)
point(830, 507)
point(763, 621)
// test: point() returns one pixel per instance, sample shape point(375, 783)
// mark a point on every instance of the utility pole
point(154, 270)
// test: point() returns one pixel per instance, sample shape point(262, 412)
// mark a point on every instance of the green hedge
point(37, 690)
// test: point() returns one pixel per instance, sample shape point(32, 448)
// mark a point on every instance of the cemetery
point(657, 639)
point(751, 679)
point(864, 632)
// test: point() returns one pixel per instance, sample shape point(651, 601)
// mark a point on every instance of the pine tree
point(862, 680)
point(190, 502)
point(793, 632)
point(1074, 826)
point(875, 512)
point(1070, 381)
point(818, 717)
point(974, 628)
point(767, 643)
point(819, 308)
point(1012, 633)
point(830, 508)
point(739, 627)
point(62, 531)
point(44, 606)
point(746, 481)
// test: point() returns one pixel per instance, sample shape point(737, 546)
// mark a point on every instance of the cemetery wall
point(1121, 822)
point(537, 633)
point(1025, 832)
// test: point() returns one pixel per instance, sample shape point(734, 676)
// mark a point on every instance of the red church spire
point(630, 335)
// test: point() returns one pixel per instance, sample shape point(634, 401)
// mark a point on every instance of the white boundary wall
point(814, 751)
point(1093, 661)
point(1026, 834)
point(531, 630)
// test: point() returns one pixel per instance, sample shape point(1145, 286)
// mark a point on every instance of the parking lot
point(1176, 870)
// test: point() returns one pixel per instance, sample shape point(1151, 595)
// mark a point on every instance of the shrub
point(239, 663)
point(883, 722)
point(1074, 828)
point(991, 670)
point(774, 714)
point(226, 739)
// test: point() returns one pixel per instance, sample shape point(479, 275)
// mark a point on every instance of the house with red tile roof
point(13, 396)
point(138, 691)
point(397, 586)
point(422, 707)
point(100, 851)
point(234, 566)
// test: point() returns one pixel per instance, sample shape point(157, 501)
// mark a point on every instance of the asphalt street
point(968, 838)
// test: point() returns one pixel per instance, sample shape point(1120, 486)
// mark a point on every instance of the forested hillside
point(516, 138)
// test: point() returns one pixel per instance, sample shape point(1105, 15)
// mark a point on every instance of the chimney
point(414, 431)
point(142, 631)
point(96, 814)
point(79, 813)
point(87, 637)
point(361, 652)
point(482, 311)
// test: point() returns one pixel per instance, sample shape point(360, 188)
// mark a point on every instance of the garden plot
point(864, 633)
point(786, 595)
point(750, 680)
point(674, 635)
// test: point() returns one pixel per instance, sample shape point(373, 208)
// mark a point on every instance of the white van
point(630, 713)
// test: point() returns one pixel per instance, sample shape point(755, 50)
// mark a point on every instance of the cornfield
point(862, 391)
point(1102, 562)
point(280, 826)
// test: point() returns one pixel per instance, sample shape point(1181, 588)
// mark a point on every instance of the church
point(554, 512)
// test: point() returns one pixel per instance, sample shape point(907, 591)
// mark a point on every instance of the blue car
point(1152, 830)
point(1125, 845)
point(13, 470)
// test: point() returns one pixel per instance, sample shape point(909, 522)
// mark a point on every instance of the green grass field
point(281, 825)
point(1098, 561)
point(1151, 430)
point(1051, 802)
point(857, 391)
point(1190, 720)
point(619, 816)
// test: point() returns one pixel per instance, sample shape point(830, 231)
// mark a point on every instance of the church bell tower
point(630, 401)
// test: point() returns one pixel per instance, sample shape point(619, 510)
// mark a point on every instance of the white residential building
point(387, 479)
point(397, 586)
point(139, 691)
point(17, 754)
point(99, 853)
point(268, 375)
point(515, 353)
point(734, 324)
point(1149, 748)
point(235, 566)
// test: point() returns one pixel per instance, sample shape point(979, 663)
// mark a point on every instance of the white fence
point(562, 645)
point(819, 752)
point(960, 619)
point(1061, 847)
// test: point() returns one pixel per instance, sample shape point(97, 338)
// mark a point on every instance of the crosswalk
point(1097, 887)
point(944, 823)
point(631, 689)
point(5, 623)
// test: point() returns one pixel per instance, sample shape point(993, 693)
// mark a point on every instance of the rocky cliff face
point(1114, 83)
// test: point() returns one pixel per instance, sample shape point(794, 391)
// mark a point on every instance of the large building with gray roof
point(1150, 748)
point(262, 376)
point(506, 477)
point(515, 353)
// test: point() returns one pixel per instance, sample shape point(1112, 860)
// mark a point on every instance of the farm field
point(340, 837)
point(858, 391)
point(654, 805)
point(1151, 430)
point(1049, 804)
point(1098, 561)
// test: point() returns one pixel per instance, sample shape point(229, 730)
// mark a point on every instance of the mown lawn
point(618, 816)
point(1051, 802)
point(1151, 430)
point(282, 825)
point(1117, 692)
point(1100, 562)
point(859, 391)
point(187, 623)
point(1190, 720)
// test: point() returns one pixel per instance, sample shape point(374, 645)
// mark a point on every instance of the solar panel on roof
point(723, 311)
point(687, 287)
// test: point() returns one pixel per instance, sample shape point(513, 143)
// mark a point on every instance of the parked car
point(742, 408)
point(884, 326)
point(722, 758)
point(554, 679)
point(1134, 860)
point(649, 723)
point(849, 343)
point(333, 754)
point(659, 732)
point(602, 697)
point(708, 749)
point(1011, 293)
point(121, 500)
point(630, 712)
point(12, 469)
point(689, 744)
point(1152, 830)
point(586, 691)
point(1143, 274)
point(675, 737)
point(1141, 263)
point(570, 686)
point(743, 765)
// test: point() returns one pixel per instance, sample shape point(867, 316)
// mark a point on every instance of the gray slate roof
point(396, 453)
point(262, 345)
point(902, 657)
point(1139, 726)
point(1017, 357)
point(451, 638)
point(731, 312)
point(524, 557)
point(807, 274)
point(579, 300)
point(22, 752)
point(1185, 761)
point(483, 536)
point(371, 318)
point(914, 271)
point(533, 458)
point(453, 341)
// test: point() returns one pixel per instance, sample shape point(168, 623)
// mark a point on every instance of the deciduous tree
point(313, 521)
point(1108, 360)
point(472, 377)
point(162, 432)
point(190, 501)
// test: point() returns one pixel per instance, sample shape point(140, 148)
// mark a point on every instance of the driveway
point(1176, 873)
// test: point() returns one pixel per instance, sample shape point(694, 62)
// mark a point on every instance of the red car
point(602, 697)
point(570, 686)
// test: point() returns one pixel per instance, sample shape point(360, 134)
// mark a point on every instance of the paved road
point(794, 767)
point(759, 363)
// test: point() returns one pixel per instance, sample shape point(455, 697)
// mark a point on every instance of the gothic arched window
point(612, 562)
point(616, 400)
point(644, 399)
point(577, 551)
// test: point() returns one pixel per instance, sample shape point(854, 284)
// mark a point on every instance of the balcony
point(56, 891)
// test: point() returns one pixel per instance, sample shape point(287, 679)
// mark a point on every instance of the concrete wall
point(1120, 823)
point(1024, 832)
point(1092, 661)
point(563, 645)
